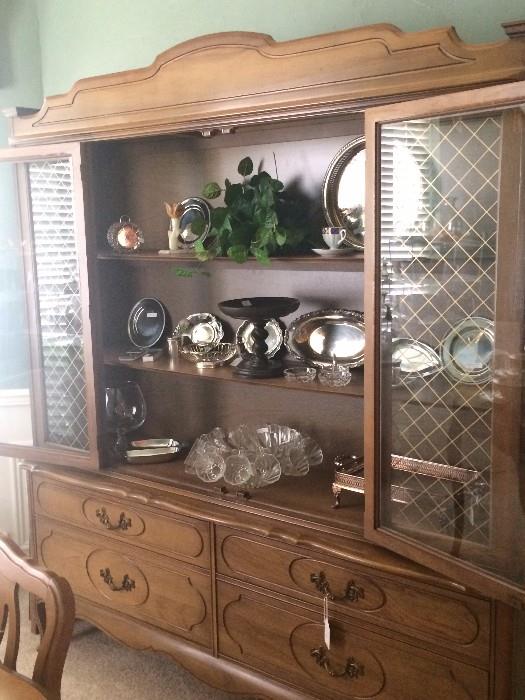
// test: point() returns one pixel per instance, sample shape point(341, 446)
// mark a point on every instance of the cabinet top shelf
point(298, 262)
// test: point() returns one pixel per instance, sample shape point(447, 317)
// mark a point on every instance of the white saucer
point(334, 252)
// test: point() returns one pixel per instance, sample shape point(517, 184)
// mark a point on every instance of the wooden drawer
point(284, 640)
point(154, 589)
point(176, 535)
point(458, 622)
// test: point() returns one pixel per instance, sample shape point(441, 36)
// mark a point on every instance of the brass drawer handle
point(352, 593)
point(123, 522)
point(352, 668)
point(128, 584)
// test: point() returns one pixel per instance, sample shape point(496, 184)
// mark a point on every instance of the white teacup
point(334, 236)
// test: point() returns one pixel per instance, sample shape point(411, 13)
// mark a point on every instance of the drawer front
point(286, 641)
point(456, 621)
point(164, 593)
point(178, 536)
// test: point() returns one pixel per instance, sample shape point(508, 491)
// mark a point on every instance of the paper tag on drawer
point(326, 623)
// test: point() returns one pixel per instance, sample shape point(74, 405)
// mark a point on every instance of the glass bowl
point(336, 375)
point(300, 374)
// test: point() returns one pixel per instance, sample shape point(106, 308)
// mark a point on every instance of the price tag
point(326, 623)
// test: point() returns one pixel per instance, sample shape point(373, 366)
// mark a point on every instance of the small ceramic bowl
point(300, 374)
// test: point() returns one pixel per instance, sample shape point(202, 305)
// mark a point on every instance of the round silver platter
point(196, 212)
point(342, 205)
point(467, 351)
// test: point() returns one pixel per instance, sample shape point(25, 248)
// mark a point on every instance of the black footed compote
point(259, 310)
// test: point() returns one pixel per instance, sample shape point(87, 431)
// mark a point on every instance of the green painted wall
point(80, 38)
point(20, 74)
point(20, 84)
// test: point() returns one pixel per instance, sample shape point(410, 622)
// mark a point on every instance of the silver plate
point(414, 358)
point(194, 209)
point(244, 339)
point(202, 329)
point(321, 335)
point(467, 351)
point(343, 192)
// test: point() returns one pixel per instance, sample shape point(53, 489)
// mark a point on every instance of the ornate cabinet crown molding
point(223, 80)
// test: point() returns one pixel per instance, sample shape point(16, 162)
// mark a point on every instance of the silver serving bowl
point(207, 358)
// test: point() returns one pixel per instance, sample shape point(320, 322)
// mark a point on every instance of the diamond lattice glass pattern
point(59, 302)
point(439, 189)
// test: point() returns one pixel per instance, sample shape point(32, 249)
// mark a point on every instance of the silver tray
point(202, 329)
point(319, 336)
point(467, 351)
point(244, 339)
point(349, 476)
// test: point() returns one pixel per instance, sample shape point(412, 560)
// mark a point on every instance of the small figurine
point(175, 212)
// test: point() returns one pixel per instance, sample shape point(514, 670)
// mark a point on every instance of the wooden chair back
point(18, 572)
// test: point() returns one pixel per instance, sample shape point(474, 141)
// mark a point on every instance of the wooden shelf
point(298, 262)
point(307, 498)
point(182, 367)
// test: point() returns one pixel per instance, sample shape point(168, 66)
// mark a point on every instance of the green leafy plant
point(258, 218)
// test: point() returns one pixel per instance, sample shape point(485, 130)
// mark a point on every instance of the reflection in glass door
point(450, 343)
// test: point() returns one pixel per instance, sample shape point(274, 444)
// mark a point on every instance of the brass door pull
point(352, 593)
point(128, 584)
point(123, 522)
point(352, 668)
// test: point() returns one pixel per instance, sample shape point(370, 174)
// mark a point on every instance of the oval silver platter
point(319, 336)
point(153, 455)
point(415, 359)
point(244, 339)
point(202, 329)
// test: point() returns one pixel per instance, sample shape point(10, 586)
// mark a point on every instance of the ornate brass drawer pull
point(352, 593)
point(352, 668)
point(123, 522)
point(128, 584)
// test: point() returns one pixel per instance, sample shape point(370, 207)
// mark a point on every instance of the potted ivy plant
point(259, 218)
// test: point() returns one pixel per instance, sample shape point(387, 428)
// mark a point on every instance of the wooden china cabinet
point(423, 590)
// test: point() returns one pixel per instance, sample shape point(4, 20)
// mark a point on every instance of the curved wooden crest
point(220, 81)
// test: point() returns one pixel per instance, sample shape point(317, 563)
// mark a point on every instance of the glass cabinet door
point(445, 336)
point(47, 405)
